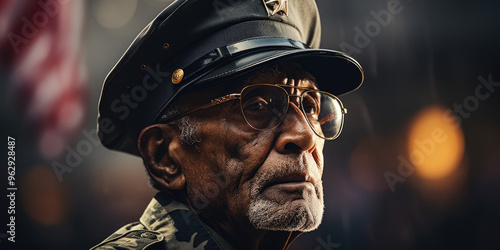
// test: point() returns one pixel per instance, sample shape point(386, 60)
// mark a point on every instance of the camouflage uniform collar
point(179, 225)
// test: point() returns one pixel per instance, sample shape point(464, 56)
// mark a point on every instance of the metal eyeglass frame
point(235, 96)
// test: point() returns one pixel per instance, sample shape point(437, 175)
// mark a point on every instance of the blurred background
point(417, 165)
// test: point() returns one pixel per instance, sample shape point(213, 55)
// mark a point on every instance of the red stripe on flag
point(42, 48)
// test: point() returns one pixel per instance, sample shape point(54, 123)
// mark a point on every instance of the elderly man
point(222, 101)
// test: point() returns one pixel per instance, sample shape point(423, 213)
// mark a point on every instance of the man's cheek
point(239, 201)
point(255, 151)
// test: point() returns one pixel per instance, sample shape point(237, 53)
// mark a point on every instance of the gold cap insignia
point(276, 6)
point(177, 76)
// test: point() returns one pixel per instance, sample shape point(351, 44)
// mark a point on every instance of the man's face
point(237, 175)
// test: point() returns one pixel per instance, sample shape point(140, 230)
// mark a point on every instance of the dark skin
point(215, 176)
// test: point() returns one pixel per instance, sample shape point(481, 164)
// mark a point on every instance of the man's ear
point(154, 145)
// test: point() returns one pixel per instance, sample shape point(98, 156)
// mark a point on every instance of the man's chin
point(302, 215)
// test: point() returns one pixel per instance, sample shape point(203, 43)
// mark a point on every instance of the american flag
point(41, 47)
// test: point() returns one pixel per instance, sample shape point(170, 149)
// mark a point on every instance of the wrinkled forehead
point(288, 73)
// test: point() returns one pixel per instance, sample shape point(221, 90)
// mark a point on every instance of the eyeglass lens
point(265, 106)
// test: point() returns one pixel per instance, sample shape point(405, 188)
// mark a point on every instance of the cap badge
point(275, 6)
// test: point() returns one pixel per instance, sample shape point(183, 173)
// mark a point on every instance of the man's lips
point(292, 180)
point(289, 187)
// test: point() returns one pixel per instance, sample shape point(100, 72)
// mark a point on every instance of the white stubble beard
point(298, 215)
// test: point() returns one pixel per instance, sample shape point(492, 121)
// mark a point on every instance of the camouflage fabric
point(165, 224)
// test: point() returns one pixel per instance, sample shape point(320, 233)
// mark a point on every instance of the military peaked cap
point(195, 43)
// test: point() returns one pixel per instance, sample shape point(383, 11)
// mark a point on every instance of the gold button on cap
point(177, 76)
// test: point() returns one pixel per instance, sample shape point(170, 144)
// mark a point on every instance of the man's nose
point(295, 134)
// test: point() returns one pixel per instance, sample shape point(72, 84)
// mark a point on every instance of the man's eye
point(256, 104)
point(310, 109)
point(310, 106)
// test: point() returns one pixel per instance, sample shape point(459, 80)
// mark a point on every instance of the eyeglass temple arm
point(212, 103)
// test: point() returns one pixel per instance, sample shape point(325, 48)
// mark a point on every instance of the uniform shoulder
point(131, 236)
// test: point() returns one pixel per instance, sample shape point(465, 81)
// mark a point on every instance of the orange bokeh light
point(44, 199)
point(435, 144)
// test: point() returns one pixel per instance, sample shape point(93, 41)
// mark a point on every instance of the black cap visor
point(336, 72)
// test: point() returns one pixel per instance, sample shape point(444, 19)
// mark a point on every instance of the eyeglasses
point(264, 107)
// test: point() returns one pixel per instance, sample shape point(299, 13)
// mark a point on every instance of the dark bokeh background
point(428, 59)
